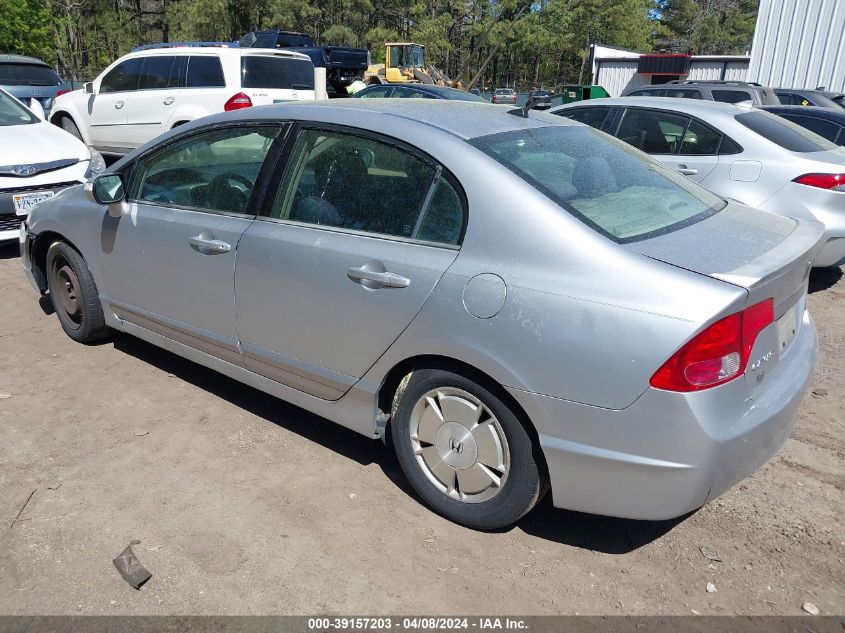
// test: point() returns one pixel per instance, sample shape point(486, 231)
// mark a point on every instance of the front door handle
point(686, 171)
point(119, 105)
point(169, 100)
point(212, 247)
point(383, 279)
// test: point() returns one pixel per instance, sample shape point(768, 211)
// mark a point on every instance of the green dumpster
point(579, 92)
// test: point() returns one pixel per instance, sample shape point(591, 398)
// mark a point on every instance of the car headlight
point(96, 165)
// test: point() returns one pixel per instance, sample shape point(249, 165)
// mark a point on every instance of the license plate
point(25, 201)
point(787, 327)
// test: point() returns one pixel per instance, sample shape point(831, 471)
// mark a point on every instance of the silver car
point(745, 154)
point(514, 303)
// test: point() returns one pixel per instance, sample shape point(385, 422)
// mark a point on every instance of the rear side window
point(594, 117)
point(276, 72)
point(205, 71)
point(784, 133)
point(653, 131)
point(827, 129)
point(155, 72)
point(28, 75)
point(684, 94)
point(700, 140)
point(604, 183)
point(336, 179)
point(123, 77)
point(648, 92)
point(732, 96)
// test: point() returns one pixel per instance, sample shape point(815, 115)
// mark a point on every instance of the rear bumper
point(668, 453)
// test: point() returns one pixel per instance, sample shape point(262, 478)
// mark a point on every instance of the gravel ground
point(246, 505)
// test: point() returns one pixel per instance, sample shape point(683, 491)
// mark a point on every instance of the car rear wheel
point(67, 124)
point(464, 451)
point(74, 294)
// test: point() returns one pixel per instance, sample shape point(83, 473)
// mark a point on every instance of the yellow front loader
point(405, 62)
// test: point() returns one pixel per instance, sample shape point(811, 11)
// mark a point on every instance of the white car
point(741, 153)
point(37, 160)
point(155, 89)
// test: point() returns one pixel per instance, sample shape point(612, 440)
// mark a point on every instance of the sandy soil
point(244, 504)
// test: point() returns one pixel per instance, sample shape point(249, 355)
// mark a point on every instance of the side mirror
point(107, 189)
point(36, 108)
point(88, 87)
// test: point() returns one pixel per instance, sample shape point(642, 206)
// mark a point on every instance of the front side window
point(214, 170)
point(376, 92)
point(155, 72)
point(410, 93)
point(784, 133)
point(204, 71)
point(604, 183)
point(594, 117)
point(652, 131)
point(276, 72)
point(343, 180)
point(123, 77)
point(12, 113)
point(732, 96)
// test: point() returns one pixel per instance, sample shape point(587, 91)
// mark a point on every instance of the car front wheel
point(464, 451)
point(74, 294)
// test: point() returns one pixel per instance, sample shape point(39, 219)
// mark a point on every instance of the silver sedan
point(743, 153)
point(514, 303)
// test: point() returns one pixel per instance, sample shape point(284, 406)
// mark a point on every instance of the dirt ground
point(246, 505)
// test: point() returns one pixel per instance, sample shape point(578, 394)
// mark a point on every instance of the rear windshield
point(11, 112)
point(784, 133)
point(504, 91)
point(28, 75)
point(605, 183)
point(272, 72)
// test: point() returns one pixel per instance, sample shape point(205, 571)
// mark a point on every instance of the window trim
point(286, 154)
point(129, 172)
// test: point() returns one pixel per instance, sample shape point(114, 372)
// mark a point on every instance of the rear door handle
point(686, 171)
point(119, 105)
point(212, 247)
point(384, 279)
point(169, 100)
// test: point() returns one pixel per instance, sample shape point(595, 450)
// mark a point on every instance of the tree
point(709, 27)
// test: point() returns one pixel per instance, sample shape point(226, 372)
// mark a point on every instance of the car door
point(354, 240)
point(109, 106)
point(154, 102)
point(169, 263)
point(675, 139)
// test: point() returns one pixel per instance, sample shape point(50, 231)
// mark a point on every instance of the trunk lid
point(768, 255)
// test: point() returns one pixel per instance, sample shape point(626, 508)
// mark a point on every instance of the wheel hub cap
point(459, 445)
point(70, 285)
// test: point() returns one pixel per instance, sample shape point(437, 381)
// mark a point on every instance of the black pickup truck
point(343, 65)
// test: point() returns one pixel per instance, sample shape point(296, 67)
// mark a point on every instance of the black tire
point(74, 294)
point(523, 481)
point(67, 124)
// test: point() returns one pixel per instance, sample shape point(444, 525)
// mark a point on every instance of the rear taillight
point(59, 93)
point(834, 182)
point(718, 354)
point(236, 102)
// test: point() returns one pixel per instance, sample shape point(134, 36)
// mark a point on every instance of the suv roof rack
point(714, 81)
point(147, 47)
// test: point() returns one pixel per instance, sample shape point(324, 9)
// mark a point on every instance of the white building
point(799, 44)
point(617, 69)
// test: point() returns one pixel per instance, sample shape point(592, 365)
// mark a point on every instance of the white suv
point(150, 91)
